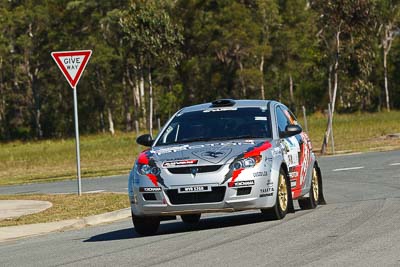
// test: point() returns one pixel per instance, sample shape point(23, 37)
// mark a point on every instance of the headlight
point(245, 163)
point(145, 169)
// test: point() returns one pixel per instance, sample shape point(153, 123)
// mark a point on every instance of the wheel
point(311, 202)
point(191, 218)
point(283, 199)
point(146, 225)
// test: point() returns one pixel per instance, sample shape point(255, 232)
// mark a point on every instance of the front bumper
point(171, 201)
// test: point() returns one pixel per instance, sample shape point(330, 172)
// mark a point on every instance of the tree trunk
point(335, 87)
point(330, 83)
point(2, 100)
point(291, 89)
point(151, 104)
point(102, 124)
point(335, 72)
point(128, 119)
point(110, 122)
point(262, 77)
point(242, 83)
point(134, 84)
point(34, 97)
point(142, 98)
point(386, 81)
point(386, 45)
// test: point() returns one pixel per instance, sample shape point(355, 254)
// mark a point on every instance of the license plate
point(194, 189)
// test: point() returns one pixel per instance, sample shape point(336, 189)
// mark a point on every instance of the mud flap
point(321, 198)
point(290, 197)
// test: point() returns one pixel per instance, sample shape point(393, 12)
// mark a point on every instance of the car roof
point(237, 104)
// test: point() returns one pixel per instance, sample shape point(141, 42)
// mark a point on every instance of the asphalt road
point(360, 226)
point(118, 183)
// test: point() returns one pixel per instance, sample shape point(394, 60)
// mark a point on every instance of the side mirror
point(291, 130)
point(145, 140)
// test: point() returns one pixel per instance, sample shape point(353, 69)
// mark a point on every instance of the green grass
point(68, 207)
point(358, 132)
point(52, 160)
point(103, 154)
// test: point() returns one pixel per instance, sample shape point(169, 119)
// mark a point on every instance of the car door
point(296, 150)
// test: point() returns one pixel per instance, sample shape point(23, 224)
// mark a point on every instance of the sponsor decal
point(243, 183)
point(194, 171)
point(187, 147)
point(235, 175)
point(145, 158)
point(266, 195)
point(260, 118)
point(213, 155)
point(277, 151)
point(250, 152)
point(269, 159)
point(267, 190)
point(219, 109)
point(259, 174)
point(270, 183)
point(150, 189)
point(305, 158)
point(293, 183)
point(292, 150)
point(180, 163)
point(293, 174)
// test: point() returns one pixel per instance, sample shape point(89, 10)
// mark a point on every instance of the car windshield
point(217, 124)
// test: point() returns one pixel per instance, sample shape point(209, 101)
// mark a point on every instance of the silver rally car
point(228, 155)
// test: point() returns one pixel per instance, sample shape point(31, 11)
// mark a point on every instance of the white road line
point(348, 169)
point(395, 164)
point(94, 191)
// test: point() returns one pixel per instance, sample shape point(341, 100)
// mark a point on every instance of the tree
point(297, 49)
point(388, 16)
point(154, 39)
point(339, 22)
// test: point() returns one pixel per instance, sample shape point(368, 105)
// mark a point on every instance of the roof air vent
point(222, 103)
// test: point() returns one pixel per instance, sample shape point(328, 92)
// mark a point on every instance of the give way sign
point(72, 64)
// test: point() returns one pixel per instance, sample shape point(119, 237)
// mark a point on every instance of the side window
point(292, 119)
point(282, 119)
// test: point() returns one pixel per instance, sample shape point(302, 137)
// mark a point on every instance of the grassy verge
point(68, 207)
point(102, 154)
point(358, 132)
point(52, 160)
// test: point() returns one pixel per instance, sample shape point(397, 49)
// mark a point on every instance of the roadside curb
point(15, 232)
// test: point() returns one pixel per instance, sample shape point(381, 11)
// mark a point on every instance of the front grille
point(149, 196)
point(217, 194)
point(243, 191)
point(200, 169)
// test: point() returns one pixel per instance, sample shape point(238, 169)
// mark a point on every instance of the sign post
point(72, 65)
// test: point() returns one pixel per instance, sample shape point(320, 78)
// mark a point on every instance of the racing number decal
point(305, 158)
point(297, 156)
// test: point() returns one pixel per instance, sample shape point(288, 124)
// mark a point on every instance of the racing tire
point(146, 225)
point(283, 199)
point(191, 218)
point(311, 202)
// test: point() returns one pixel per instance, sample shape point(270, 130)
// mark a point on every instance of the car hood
point(209, 153)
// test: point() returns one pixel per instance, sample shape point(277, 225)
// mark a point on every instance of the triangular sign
point(72, 64)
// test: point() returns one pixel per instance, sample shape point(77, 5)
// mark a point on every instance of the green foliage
point(192, 51)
